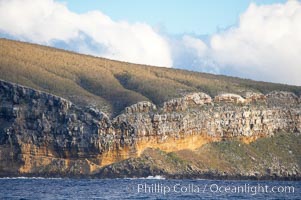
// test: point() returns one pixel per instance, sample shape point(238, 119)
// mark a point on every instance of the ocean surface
point(145, 188)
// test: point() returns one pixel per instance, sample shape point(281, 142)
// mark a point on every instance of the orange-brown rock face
point(48, 135)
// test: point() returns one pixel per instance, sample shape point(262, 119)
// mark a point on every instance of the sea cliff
point(46, 135)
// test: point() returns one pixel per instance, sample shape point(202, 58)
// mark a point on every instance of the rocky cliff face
point(47, 135)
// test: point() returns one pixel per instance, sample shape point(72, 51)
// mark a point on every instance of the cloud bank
point(50, 22)
point(264, 45)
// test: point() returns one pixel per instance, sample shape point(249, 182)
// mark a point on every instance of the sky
point(176, 16)
point(259, 39)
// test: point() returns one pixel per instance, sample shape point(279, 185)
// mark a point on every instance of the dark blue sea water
point(151, 188)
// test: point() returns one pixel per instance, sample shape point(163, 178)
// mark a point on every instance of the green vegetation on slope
point(110, 85)
point(271, 157)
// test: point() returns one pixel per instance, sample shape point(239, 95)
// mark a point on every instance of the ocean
point(145, 188)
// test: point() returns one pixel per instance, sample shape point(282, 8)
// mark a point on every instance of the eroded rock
point(229, 98)
point(143, 106)
point(40, 131)
point(189, 100)
point(281, 98)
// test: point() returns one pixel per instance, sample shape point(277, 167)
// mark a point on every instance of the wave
point(156, 177)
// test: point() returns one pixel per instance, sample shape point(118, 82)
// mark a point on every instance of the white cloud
point(196, 44)
point(192, 53)
point(48, 22)
point(265, 45)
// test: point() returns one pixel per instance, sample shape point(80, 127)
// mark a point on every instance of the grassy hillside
point(110, 85)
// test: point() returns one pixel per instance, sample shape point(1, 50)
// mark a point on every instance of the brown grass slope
point(111, 85)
